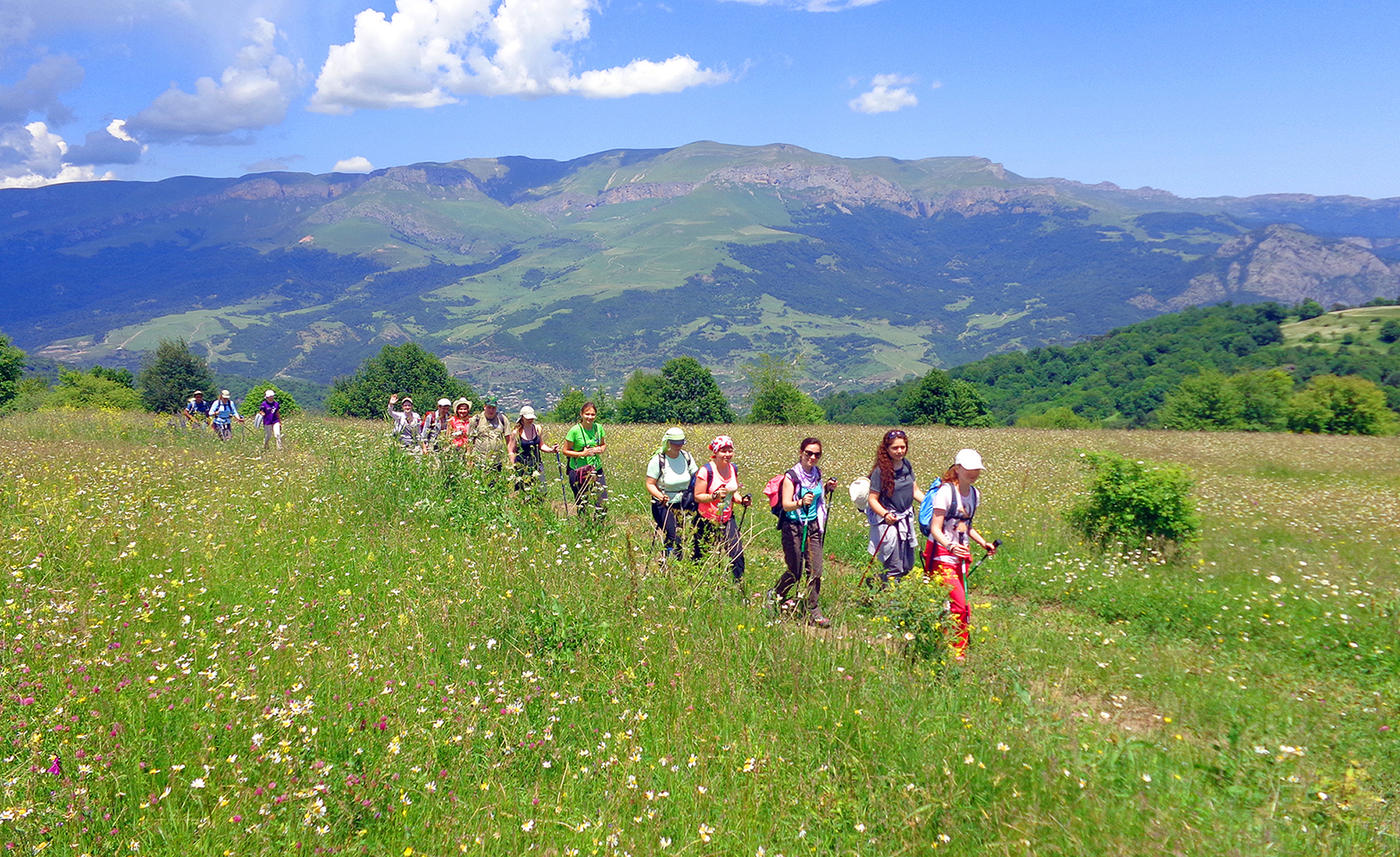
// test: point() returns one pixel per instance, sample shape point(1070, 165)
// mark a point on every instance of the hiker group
point(489, 441)
point(703, 498)
point(220, 415)
point(896, 509)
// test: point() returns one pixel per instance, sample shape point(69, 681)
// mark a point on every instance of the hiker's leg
point(734, 547)
point(952, 572)
point(791, 532)
point(814, 565)
point(277, 433)
point(665, 519)
point(600, 494)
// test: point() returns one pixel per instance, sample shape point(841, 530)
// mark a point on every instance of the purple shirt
point(269, 409)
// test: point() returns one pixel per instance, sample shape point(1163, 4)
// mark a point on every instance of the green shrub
point(1132, 503)
point(914, 613)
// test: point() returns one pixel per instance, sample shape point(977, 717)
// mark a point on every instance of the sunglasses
point(677, 442)
point(894, 433)
point(808, 452)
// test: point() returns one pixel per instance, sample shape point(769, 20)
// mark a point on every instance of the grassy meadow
point(340, 649)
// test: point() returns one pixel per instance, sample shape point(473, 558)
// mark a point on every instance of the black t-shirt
point(903, 497)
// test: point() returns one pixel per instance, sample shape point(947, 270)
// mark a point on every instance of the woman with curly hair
point(894, 494)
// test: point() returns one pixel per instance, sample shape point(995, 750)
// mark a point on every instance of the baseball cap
point(968, 459)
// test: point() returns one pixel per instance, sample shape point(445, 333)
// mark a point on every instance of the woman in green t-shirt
point(584, 446)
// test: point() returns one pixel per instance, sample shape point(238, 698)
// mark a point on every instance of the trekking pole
point(869, 565)
point(995, 544)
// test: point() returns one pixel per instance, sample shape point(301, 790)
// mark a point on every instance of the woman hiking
point(954, 504)
point(523, 446)
point(459, 424)
point(584, 446)
point(407, 424)
point(893, 495)
point(668, 475)
point(802, 526)
point(270, 414)
point(717, 489)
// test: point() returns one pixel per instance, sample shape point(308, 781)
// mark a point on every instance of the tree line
point(1223, 367)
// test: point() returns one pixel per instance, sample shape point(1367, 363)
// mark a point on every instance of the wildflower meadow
point(344, 649)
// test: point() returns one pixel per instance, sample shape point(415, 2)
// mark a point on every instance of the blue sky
point(1201, 99)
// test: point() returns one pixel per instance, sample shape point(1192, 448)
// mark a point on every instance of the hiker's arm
point(707, 496)
point(918, 494)
point(977, 537)
point(791, 503)
point(655, 490)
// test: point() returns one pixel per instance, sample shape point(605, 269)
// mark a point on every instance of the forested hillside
point(1125, 377)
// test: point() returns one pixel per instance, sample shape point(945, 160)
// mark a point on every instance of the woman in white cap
point(717, 489)
point(524, 445)
point(668, 475)
point(223, 412)
point(270, 413)
point(949, 534)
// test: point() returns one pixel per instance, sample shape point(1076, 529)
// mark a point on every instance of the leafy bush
point(915, 613)
point(1340, 405)
point(1058, 417)
point(86, 390)
point(1132, 503)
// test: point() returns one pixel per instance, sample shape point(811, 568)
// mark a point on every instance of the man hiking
point(223, 412)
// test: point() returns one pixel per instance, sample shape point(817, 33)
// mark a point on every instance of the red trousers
point(952, 573)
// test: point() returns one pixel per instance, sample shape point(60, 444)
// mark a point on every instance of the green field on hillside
point(342, 649)
point(1331, 330)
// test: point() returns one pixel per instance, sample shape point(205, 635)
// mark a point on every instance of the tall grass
point(345, 649)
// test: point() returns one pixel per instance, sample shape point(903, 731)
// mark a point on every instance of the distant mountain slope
point(527, 274)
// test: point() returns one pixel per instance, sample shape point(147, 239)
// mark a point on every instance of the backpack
point(774, 492)
point(688, 495)
point(926, 506)
point(860, 493)
point(953, 506)
point(687, 501)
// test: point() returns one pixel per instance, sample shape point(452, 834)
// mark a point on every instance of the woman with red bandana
point(717, 489)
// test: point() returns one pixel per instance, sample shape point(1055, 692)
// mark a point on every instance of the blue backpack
point(926, 507)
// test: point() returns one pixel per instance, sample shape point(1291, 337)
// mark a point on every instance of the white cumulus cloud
point(357, 164)
point(434, 52)
point(33, 156)
point(887, 93)
point(254, 92)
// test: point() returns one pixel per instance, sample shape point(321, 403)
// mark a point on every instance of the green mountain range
point(526, 275)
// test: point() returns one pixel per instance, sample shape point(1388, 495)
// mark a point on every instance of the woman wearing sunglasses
point(894, 494)
point(802, 525)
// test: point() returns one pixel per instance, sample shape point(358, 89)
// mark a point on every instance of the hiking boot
point(770, 601)
point(816, 618)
